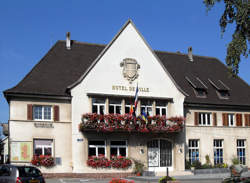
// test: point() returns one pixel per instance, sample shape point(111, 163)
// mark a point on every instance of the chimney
point(68, 41)
point(190, 54)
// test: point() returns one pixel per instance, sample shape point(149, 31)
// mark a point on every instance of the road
point(107, 181)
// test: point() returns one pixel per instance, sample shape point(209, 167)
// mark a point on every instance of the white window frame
point(44, 146)
point(193, 148)
point(115, 105)
point(231, 119)
point(43, 106)
point(129, 106)
point(241, 148)
point(207, 119)
point(97, 146)
point(160, 108)
point(99, 105)
point(119, 146)
point(147, 107)
point(218, 146)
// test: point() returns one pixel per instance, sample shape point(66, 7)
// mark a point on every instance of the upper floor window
point(41, 112)
point(43, 147)
point(231, 120)
point(160, 108)
point(115, 106)
point(146, 107)
point(204, 119)
point(98, 105)
point(128, 105)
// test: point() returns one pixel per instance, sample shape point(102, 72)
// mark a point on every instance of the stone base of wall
point(87, 175)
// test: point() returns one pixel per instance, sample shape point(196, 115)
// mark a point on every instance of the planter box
point(211, 171)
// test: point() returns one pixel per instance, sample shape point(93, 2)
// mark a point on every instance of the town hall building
point(75, 107)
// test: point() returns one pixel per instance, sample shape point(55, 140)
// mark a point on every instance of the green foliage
point(235, 12)
point(221, 165)
point(196, 164)
point(235, 161)
point(187, 164)
point(208, 162)
point(165, 179)
point(139, 167)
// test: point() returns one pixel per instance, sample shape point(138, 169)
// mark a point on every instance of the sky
point(28, 29)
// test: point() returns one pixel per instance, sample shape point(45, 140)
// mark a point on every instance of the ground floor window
point(118, 148)
point(193, 150)
point(97, 148)
point(241, 151)
point(159, 153)
point(218, 151)
point(43, 147)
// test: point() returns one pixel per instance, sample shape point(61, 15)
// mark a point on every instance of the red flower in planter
point(126, 122)
point(42, 160)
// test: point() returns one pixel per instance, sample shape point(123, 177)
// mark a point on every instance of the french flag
point(136, 97)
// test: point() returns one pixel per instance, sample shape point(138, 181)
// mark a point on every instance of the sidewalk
point(191, 177)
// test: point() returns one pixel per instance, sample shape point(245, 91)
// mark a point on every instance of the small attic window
point(223, 94)
point(200, 89)
point(200, 92)
point(222, 89)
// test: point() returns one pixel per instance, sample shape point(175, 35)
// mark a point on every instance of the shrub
point(139, 167)
point(235, 161)
point(165, 179)
point(187, 165)
point(221, 165)
point(197, 164)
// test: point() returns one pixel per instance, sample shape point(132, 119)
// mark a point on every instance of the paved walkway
point(215, 176)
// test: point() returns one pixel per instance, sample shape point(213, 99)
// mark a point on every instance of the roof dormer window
point(222, 89)
point(200, 93)
point(223, 94)
point(200, 89)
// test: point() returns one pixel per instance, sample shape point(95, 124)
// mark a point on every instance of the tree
point(236, 12)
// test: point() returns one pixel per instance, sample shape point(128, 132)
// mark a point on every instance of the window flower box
point(129, 123)
point(42, 160)
point(118, 162)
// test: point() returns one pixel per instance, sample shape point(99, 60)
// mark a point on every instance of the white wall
point(107, 72)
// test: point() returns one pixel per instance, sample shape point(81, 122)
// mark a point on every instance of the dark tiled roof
point(61, 68)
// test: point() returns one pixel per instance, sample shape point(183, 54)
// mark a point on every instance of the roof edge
point(99, 56)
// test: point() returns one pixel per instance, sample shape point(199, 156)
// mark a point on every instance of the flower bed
point(121, 181)
point(129, 123)
point(42, 160)
point(119, 162)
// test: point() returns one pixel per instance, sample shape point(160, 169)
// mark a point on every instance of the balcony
point(129, 123)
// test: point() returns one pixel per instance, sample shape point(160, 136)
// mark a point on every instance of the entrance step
point(149, 173)
point(174, 173)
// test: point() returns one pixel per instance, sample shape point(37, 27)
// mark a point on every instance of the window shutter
point(56, 113)
point(29, 112)
point(214, 119)
point(225, 119)
point(196, 118)
point(247, 119)
point(238, 119)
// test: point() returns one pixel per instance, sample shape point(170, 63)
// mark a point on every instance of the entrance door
point(159, 155)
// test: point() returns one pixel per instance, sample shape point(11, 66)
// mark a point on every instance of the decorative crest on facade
point(130, 69)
